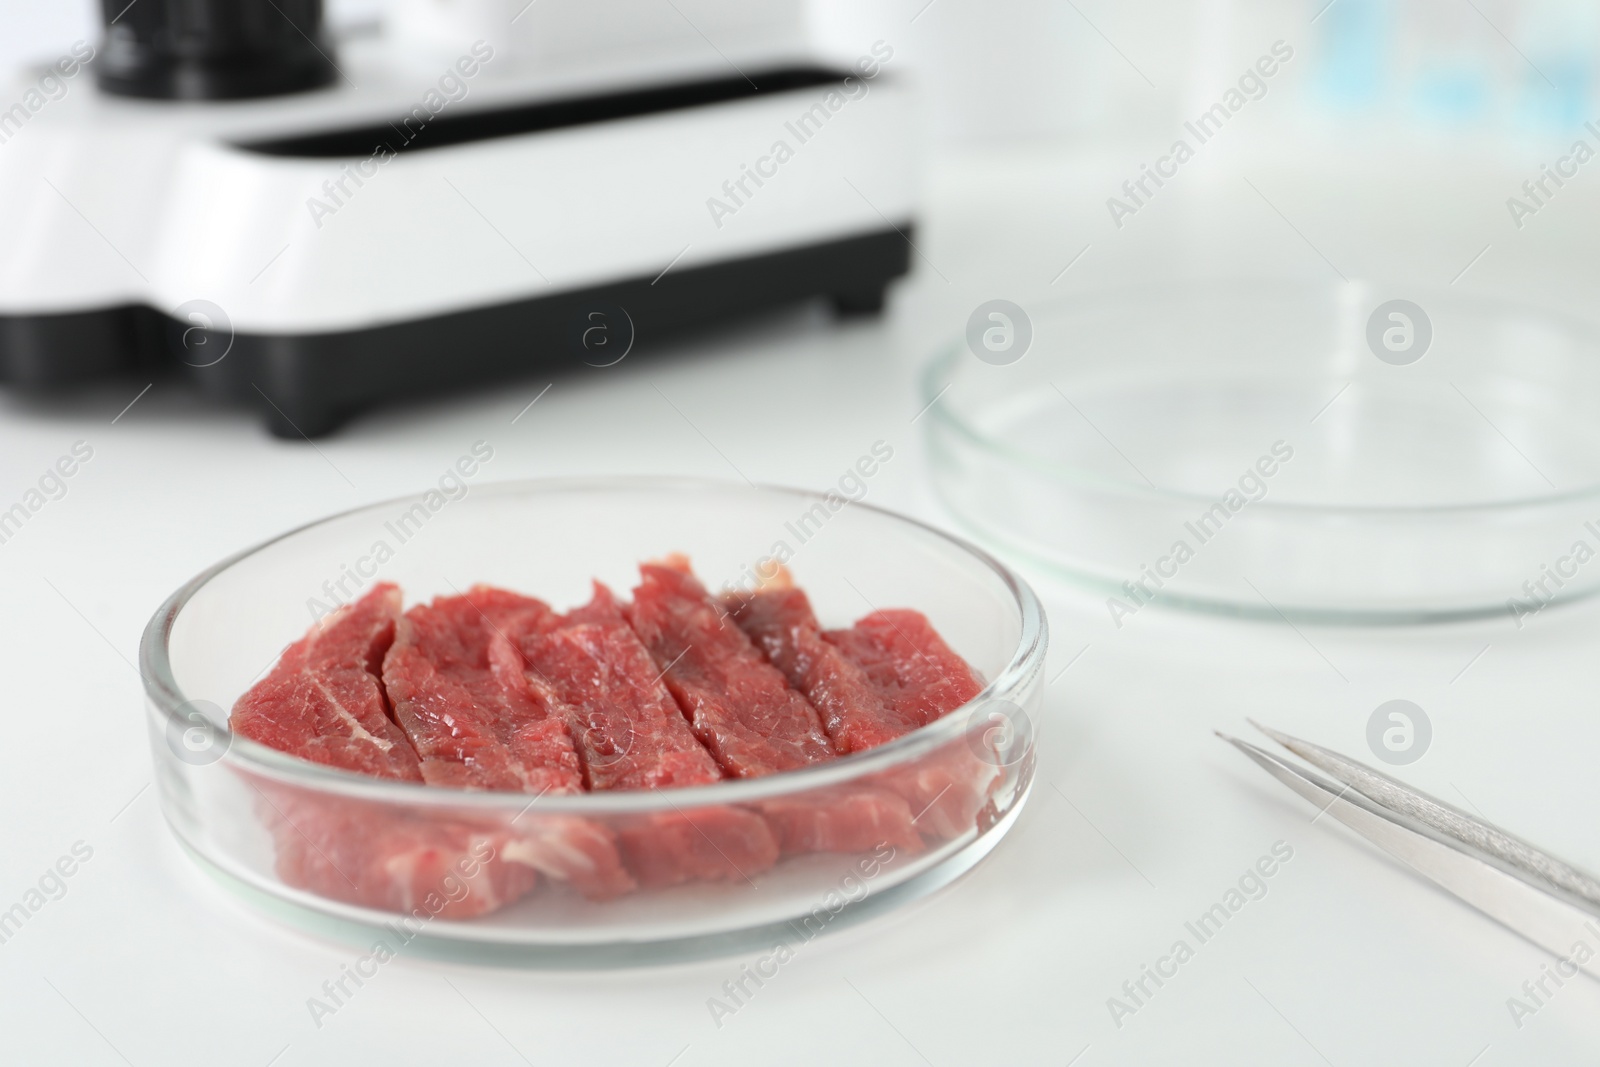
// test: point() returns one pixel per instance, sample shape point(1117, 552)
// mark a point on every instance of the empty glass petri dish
point(1353, 453)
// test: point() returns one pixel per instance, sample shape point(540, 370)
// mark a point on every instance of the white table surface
point(1140, 821)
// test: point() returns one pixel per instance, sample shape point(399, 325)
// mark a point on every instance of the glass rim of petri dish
point(938, 377)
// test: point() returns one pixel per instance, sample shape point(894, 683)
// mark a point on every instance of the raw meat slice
point(919, 675)
point(632, 736)
point(570, 849)
point(873, 683)
point(855, 712)
point(744, 711)
point(707, 844)
point(853, 818)
point(474, 726)
point(322, 701)
point(741, 708)
point(461, 692)
point(908, 663)
point(947, 789)
point(628, 728)
point(369, 855)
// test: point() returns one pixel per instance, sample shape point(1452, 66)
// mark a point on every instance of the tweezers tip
point(1277, 735)
point(1239, 743)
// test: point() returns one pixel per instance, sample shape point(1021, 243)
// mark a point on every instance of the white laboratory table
point(1140, 819)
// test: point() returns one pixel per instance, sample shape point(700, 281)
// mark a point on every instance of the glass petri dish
point(1348, 453)
point(302, 839)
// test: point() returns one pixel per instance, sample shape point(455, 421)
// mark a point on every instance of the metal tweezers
point(1547, 901)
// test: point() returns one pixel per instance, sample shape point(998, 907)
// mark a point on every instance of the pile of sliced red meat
point(496, 691)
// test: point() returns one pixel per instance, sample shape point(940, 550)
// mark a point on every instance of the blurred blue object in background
point(1353, 47)
point(1511, 65)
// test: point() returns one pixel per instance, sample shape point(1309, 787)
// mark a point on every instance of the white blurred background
point(1066, 70)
